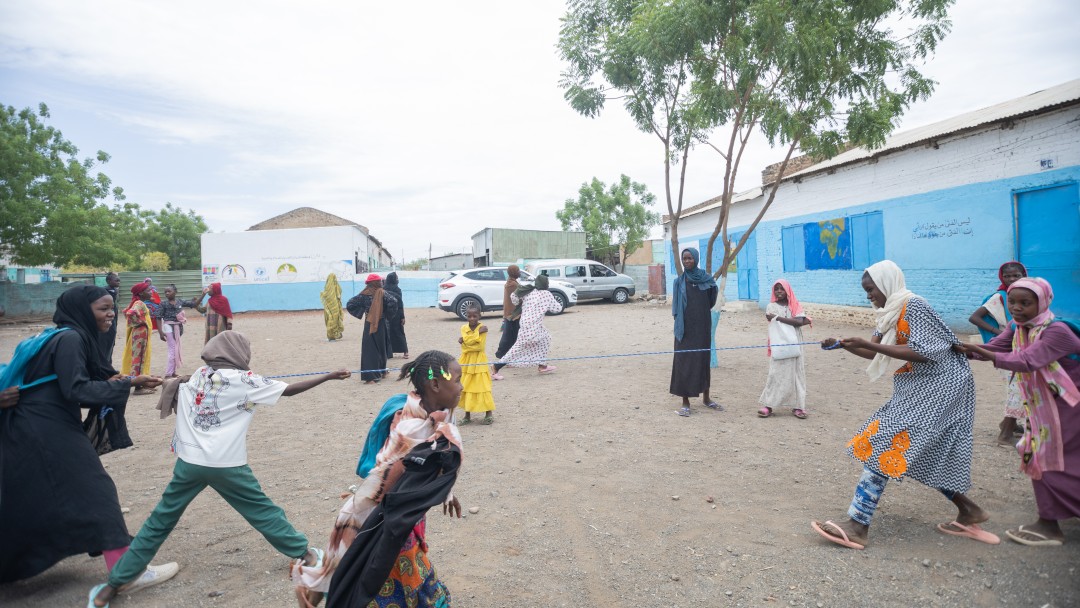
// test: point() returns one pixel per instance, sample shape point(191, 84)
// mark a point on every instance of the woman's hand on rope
point(146, 381)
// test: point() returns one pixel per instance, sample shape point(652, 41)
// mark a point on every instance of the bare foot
point(968, 512)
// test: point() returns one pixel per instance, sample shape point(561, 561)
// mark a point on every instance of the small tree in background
point(613, 219)
point(154, 261)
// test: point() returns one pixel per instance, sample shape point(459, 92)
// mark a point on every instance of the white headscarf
point(890, 281)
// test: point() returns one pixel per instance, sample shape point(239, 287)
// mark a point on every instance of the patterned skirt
point(413, 582)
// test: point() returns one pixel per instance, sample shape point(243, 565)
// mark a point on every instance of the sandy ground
point(591, 491)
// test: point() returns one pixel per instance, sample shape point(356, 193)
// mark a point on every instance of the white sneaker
point(154, 575)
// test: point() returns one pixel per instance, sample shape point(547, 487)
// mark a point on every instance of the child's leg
point(185, 485)
point(170, 340)
point(867, 494)
point(239, 488)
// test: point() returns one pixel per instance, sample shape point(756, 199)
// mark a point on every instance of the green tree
point(808, 76)
point(51, 209)
point(612, 218)
point(176, 233)
point(154, 261)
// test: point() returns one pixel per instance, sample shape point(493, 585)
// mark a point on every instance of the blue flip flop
point(93, 593)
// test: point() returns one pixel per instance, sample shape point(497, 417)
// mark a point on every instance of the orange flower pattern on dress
point(892, 462)
point(903, 333)
point(860, 444)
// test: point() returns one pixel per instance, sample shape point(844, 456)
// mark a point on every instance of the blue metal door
point(746, 261)
point(1048, 242)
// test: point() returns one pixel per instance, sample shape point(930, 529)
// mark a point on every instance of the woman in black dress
point(373, 304)
point(396, 324)
point(56, 500)
point(693, 297)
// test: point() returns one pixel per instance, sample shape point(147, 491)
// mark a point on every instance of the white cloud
point(423, 121)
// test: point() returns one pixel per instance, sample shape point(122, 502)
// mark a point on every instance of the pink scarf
point(1041, 449)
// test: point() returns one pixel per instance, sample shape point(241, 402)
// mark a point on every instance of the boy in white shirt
point(214, 410)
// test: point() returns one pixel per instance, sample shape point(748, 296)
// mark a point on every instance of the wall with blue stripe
point(949, 242)
point(419, 290)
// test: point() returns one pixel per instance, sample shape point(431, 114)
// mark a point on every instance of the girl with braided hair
point(377, 550)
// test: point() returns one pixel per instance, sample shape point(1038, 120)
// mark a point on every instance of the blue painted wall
point(949, 243)
point(417, 292)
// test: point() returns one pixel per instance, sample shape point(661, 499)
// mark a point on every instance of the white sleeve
point(263, 391)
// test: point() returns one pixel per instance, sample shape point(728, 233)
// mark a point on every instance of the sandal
point(465, 421)
point(841, 538)
point(93, 594)
point(764, 412)
point(683, 411)
point(548, 369)
point(487, 420)
point(712, 405)
point(800, 413)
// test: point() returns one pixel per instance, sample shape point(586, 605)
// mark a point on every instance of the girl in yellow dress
point(475, 374)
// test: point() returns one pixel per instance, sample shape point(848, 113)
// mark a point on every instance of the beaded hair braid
point(429, 365)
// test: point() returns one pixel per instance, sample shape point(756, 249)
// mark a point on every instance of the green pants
point(239, 488)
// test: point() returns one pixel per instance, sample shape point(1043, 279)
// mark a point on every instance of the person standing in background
point(108, 339)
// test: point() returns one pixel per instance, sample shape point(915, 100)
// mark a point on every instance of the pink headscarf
point(1045, 294)
point(793, 302)
point(1041, 448)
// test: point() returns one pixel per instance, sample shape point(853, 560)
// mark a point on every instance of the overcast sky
point(424, 121)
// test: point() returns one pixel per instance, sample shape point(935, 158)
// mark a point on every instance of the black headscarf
point(73, 311)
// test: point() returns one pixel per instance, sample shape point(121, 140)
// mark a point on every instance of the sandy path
point(575, 484)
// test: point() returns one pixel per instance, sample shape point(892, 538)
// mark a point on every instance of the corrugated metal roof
point(714, 203)
point(1047, 99)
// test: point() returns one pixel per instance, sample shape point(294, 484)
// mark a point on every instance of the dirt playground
point(589, 490)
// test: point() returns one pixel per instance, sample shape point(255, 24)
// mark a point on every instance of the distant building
point(454, 261)
point(282, 263)
point(17, 273)
point(309, 217)
point(948, 202)
point(505, 246)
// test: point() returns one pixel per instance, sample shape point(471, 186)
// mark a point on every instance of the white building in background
point(282, 263)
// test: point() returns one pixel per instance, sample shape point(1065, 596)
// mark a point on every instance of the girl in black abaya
point(56, 500)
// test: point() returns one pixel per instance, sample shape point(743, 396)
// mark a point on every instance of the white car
point(483, 287)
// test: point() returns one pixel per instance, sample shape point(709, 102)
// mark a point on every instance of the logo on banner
point(233, 273)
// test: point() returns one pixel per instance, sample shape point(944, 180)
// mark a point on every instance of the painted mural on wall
point(827, 245)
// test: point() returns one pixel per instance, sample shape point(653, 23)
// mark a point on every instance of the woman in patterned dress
point(534, 340)
point(925, 430)
point(136, 361)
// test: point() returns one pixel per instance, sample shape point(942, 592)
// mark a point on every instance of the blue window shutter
point(794, 249)
point(787, 244)
point(875, 232)
point(867, 239)
point(860, 250)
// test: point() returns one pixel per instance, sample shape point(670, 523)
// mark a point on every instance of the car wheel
point(464, 304)
point(621, 296)
point(561, 299)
